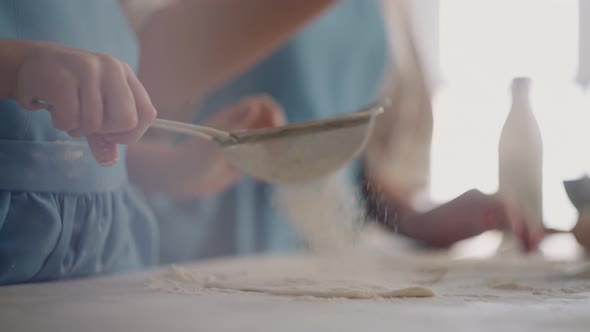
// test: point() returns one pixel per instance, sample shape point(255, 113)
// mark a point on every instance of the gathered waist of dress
point(56, 166)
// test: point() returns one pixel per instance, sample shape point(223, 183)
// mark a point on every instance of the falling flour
point(329, 216)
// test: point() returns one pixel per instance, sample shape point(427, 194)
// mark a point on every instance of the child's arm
point(91, 94)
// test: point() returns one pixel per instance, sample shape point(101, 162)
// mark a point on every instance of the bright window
point(483, 45)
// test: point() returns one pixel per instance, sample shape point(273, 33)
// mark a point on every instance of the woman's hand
point(92, 94)
point(469, 215)
point(466, 216)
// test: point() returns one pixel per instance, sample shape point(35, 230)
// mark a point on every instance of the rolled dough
point(317, 277)
point(350, 289)
point(312, 277)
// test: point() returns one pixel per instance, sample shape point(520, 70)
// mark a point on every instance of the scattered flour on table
point(329, 216)
point(306, 278)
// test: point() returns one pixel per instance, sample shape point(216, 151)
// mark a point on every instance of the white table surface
point(122, 303)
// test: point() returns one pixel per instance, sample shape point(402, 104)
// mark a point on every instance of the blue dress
point(61, 214)
point(334, 65)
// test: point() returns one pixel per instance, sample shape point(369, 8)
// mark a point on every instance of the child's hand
point(93, 95)
point(207, 170)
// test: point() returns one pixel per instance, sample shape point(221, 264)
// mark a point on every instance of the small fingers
point(105, 152)
point(144, 110)
point(89, 94)
point(92, 107)
point(120, 113)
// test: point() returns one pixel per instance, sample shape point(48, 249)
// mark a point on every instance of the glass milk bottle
point(521, 156)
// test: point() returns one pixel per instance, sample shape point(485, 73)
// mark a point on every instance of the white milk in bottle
point(521, 156)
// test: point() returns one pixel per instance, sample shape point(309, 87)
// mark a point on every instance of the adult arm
point(189, 47)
